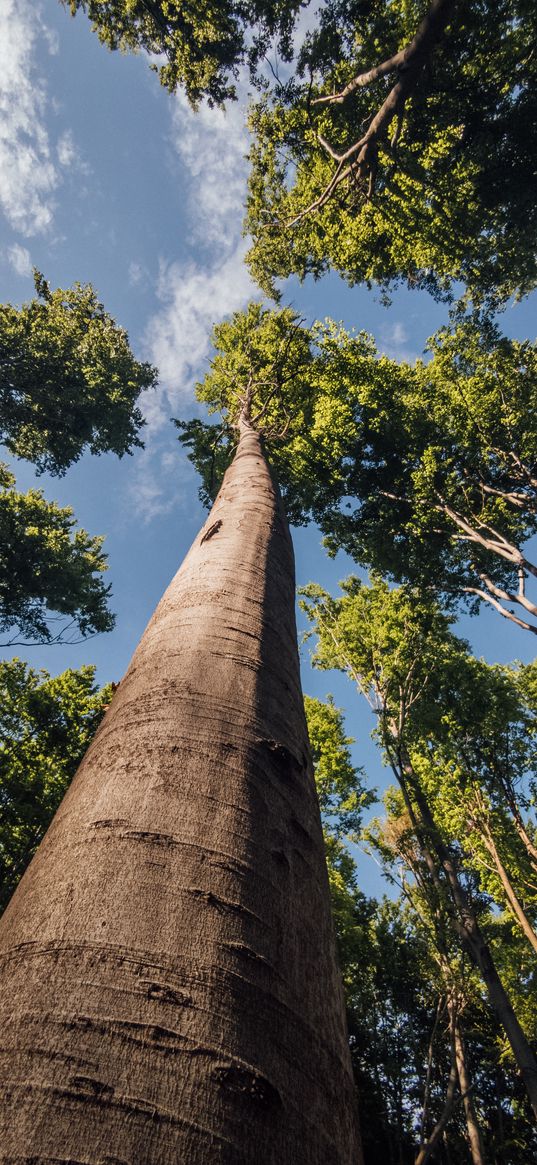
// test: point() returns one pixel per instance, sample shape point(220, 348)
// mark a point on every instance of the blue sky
point(107, 179)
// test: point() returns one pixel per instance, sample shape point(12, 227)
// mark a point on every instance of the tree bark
point(472, 1123)
point(170, 989)
point(425, 1150)
point(514, 904)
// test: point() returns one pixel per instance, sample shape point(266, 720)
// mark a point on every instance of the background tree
point(68, 383)
point(484, 1114)
point(50, 571)
point(391, 643)
point(68, 379)
point(46, 725)
point(391, 154)
point(204, 44)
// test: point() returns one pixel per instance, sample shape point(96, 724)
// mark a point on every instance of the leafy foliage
point(419, 173)
point(261, 356)
point(425, 473)
point(204, 44)
point(68, 379)
point(48, 565)
point(342, 796)
point(460, 739)
point(443, 469)
point(46, 725)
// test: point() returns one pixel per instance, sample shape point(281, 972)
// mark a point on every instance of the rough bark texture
point(170, 992)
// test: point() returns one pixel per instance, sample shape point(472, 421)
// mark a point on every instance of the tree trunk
point(466, 925)
point(425, 1150)
point(171, 995)
point(472, 1123)
point(516, 907)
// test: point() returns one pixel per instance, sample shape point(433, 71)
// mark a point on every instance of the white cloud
point(394, 342)
point(69, 154)
point(199, 292)
point(178, 338)
point(19, 259)
point(211, 145)
point(27, 173)
point(52, 40)
point(152, 501)
point(136, 274)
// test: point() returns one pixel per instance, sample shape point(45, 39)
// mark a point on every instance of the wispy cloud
point(178, 337)
point(394, 342)
point(69, 155)
point(137, 274)
point(198, 292)
point(211, 145)
point(28, 176)
point(19, 259)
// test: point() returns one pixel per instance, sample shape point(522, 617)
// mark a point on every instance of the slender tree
point(390, 644)
point(170, 984)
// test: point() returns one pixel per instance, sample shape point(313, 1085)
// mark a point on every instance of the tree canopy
point(68, 379)
point(203, 44)
point(50, 571)
point(402, 150)
point(425, 472)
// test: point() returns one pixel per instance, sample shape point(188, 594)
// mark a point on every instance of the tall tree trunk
point(472, 1123)
point(512, 899)
point(426, 1149)
point(170, 992)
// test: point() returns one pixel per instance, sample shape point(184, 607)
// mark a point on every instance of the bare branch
point(487, 598)
point(412, 57)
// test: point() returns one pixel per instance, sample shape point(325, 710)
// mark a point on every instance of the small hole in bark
point(166, 994)
point(251, 1084)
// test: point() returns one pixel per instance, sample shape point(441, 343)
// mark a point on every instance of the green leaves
point(68, 379)
point(204, 43)
point(46, 725)
point(340, 788)
point(68, 384)
point(47, 565)
point(431, 200)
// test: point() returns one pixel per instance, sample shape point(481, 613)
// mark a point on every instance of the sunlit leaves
point(50, 571)
point(203, 44)
point(68, 379)
point(451, 198)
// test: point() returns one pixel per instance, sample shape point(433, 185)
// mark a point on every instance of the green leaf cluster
point(50, 584)
point(68, 379)
point(452, 196)
point(204, 44)
point(68, 384)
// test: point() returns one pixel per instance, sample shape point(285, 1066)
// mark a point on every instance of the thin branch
point(409, 64)
point(412, 57)
point(487, 598)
